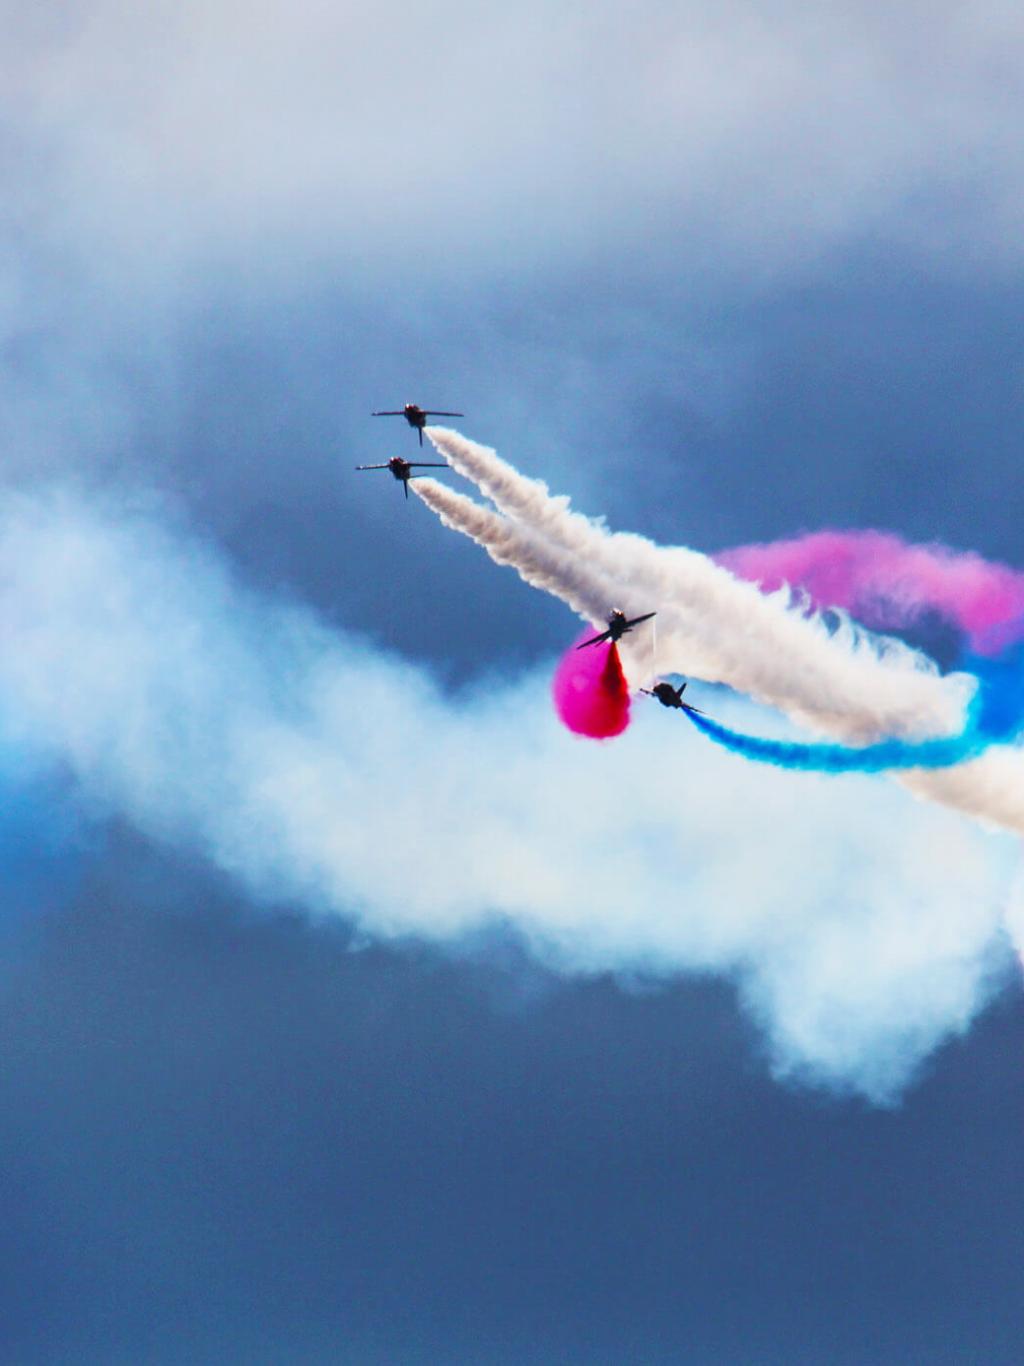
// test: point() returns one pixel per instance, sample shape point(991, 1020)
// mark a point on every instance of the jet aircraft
point(403, 469)
point(671, 697)
point(415, 416)
point(617, 628)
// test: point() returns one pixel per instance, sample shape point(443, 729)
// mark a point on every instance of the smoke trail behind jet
point(591, 693)
point(995, 714)
point(882, 757)
point(710, 625)
point(889, 584)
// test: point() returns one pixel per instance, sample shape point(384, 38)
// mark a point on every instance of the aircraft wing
point(373, 467)
point(637, 620)
point(596, 640)
point(439, 412)
point(429, 465)
point(390, 412)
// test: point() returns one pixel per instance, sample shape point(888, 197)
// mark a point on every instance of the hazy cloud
point(865, 926)
point(540, 132)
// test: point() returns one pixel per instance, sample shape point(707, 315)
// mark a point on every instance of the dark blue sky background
point(230, 1139)
point(235, 1132)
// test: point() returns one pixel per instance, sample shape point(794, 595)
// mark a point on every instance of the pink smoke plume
point(590, 691)
point(886, 583)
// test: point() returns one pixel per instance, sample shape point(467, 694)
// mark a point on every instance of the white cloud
point(864, 926)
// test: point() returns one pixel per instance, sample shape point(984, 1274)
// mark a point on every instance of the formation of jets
point(403, 469)
point(618, 623)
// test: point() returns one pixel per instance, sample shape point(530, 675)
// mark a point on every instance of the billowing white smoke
point(861, 926)
point(718, 628)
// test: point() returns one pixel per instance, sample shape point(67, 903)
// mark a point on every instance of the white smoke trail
point(837, 683)
point(721, 629)
point(861, 926)
point(540, 562)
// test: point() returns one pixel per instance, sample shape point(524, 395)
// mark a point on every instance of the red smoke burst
point(590, 691)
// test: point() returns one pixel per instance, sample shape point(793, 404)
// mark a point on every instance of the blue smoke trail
point(996, 714)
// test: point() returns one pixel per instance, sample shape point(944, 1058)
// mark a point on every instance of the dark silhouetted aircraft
point(617, 628)
point(671, 697)
point(416, 417)
point(403, 469)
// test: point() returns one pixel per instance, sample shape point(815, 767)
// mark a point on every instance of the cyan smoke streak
point(996, 714)
point(942, 752)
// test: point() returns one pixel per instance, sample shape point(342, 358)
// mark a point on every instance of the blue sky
point(295, 1068)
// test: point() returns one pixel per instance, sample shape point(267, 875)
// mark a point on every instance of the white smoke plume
point(861, 927)
point(712, 626)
